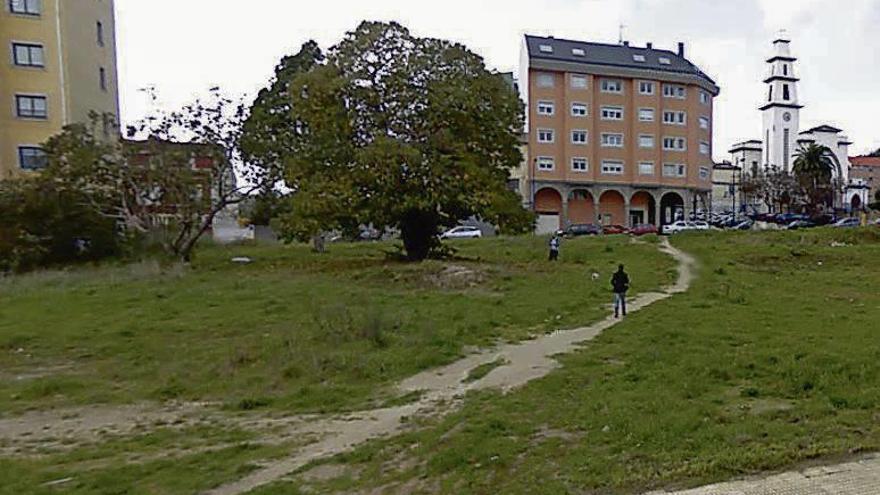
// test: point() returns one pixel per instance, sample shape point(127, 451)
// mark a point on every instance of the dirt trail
point(442, 388)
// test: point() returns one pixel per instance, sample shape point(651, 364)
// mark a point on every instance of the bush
point(41, 227)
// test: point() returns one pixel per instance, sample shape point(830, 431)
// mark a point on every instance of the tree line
point(384, 129)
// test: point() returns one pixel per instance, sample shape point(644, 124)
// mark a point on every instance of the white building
point(781, 137)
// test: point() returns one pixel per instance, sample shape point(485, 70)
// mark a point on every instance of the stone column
point(627, 214)
point(565, 222)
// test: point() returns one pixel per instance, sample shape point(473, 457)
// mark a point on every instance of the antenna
point(622, 30)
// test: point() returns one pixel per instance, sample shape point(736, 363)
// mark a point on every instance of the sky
point(184, 47)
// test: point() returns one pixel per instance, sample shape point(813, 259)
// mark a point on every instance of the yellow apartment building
point(618, 134)
point(59, 67)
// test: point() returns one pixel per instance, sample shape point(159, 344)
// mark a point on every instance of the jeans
point(619, 303)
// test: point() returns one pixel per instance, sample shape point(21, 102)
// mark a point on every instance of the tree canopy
point(814, 171)
point(402, 132)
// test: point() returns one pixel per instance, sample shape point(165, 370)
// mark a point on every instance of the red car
point(615, 229)
point(644, 229)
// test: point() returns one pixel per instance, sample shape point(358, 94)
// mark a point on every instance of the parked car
point(848, 223)
point(676, 227)
point(643, 229)
point(800, 224)
point(701, 225)
point(744, 225)
point(582, 229)
point(463, 232)
point(824, 219)
point(614, 229)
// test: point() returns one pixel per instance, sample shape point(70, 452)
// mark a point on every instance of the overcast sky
point(184, 47)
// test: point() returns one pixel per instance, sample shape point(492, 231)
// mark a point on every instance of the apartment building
point(60, 67)
point(618, 134)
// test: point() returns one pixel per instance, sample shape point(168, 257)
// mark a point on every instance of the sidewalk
point(853, 478)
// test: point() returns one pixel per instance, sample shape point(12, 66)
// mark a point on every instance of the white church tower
point(782, 108)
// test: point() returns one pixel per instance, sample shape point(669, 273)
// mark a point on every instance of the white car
point(676, 227)
point(463, 232)
point(701, 225)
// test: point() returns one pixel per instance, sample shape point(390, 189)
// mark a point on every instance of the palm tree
point(814, 170)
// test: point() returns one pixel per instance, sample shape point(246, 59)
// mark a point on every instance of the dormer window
point(546, 49)
point(639, 58)
point(578, 52)
point(665, 61)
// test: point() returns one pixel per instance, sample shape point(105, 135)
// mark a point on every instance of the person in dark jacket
point(555, 242)
point(620, 284)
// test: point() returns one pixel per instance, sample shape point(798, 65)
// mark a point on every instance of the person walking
point(620, 284)
point(554, 247)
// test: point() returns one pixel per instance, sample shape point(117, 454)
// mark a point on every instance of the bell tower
point(781, 108)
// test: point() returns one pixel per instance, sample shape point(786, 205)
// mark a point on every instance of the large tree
point(272, 130)
point(814, 170)
point(402, 132)
point(875, 153)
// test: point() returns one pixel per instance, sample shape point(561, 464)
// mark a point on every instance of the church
point(782, 136)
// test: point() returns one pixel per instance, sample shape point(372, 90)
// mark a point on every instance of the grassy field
point(293, 331)
point(770, 360)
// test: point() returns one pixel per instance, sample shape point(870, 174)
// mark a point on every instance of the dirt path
point(443, 388)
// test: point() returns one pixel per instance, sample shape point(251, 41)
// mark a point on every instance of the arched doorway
point(581, 207)
point(671, 208)
point(612, 208)
point(856, 203)
point(643, 209)
point(548, 206)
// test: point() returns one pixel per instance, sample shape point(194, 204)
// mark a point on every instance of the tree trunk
point(418, 229)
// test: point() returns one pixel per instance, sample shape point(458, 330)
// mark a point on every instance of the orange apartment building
point(618, 134)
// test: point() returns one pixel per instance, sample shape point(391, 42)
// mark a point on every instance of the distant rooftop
point(624, 55)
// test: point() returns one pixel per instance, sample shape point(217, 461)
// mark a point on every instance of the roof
point(865, 161)
point(823, 128)
point(611, 55)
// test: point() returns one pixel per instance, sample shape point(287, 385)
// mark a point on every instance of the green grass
point(292, 331)
point(769, 361)
point(143, 464)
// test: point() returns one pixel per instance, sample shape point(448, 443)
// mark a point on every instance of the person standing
point(554, 247)
point(620, 285)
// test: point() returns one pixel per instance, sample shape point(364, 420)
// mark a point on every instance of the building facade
point(866, 170)
point(60, 68)
point(726, 181)
point(781, 135)
point(617, 134)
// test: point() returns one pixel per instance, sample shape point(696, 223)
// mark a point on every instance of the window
point(675, 118)
point(638, 58)
point(646, 115)
point(770, 97)
point(705, 148)
point(612, 167)
point(578, 81)
point(704, 123)
point(579, 164)
point(674, 170)
point(102, 78)
point(675, 144)
point(579, 137)
point(612, 86)
point(665, 61)
point(674, 91)
point(546, 163)
point(786, 94)
point(578, 110)
point(646, 88)
point(704, 173)
point(546, 108)
point(578, 52)
point(646, 141)
point(784, 69)
point(610, 140)
point(546, 80)
point(545, 136)
point(705, 99)
point(31, 107)
point(612, 113)
point(646, 168)
point(786, 146)
point(99, 29)
point(31, 158)
point(25, 7)
point(27, 55)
